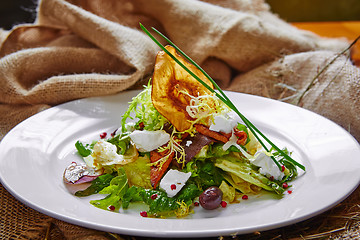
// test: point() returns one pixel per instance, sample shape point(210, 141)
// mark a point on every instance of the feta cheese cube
point(173, 181)
point(267, 166)
point(224, 123)
point(146, 141)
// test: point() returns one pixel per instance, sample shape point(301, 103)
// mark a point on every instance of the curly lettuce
point(145, 112)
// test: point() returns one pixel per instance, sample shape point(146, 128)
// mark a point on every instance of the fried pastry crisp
point(172, 87)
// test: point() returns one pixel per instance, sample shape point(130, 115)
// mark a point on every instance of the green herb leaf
point(82, 150)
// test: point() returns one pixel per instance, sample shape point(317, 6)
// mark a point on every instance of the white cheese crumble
point(146, 141)
point(225, 123)
point(105, 153)
point(188, 143)
point(173, 181)
point(74, 172)
point(267, 166)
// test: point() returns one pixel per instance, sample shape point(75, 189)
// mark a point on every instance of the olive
point(211, 198)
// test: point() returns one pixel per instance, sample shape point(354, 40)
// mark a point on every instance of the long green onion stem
point(221, 95)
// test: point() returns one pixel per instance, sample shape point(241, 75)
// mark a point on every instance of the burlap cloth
point(83, 48)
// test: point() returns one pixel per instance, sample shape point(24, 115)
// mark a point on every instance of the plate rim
point(137, 232)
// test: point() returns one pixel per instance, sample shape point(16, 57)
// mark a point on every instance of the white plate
point(35, 153)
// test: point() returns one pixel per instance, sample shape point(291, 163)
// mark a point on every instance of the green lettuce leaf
point(204, 173)
point(245, 171)
point(116, 190)
point(131, 195)
point(84, 151)
point(188, 193)
point(96, 185)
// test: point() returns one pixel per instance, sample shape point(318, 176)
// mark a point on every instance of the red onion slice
point(79, 176)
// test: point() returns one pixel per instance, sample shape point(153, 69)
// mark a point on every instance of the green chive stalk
point(221, 95)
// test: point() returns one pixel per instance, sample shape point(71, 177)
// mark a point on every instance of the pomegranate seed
point(285, 185)
point(196, 204)
point(289, 192)
point(143, 214)
point(223, 204)
point(103, 135)
point(282, 168)
point(173, 187)
point(113, 133)
point(245, 197)
point(154, 196)
point(111, 208)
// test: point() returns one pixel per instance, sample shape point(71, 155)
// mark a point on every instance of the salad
point(179, 147)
